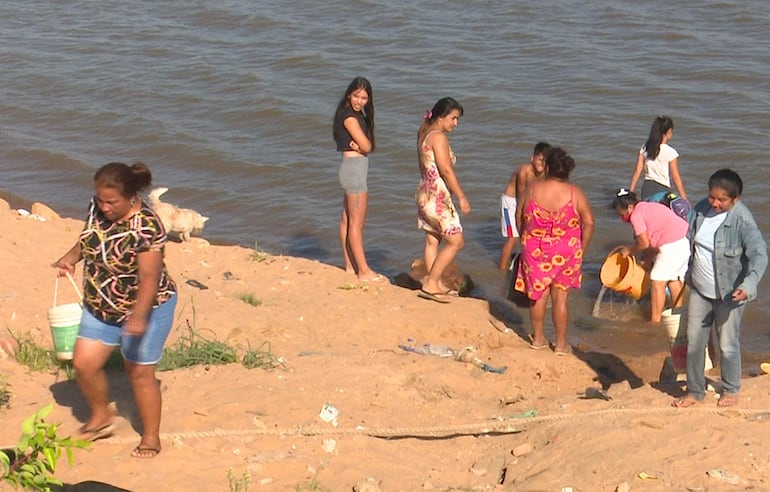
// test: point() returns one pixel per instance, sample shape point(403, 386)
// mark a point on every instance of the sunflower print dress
point(552, 249)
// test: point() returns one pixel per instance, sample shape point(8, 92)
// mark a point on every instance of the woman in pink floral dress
point(436, 213)
point(557, 224)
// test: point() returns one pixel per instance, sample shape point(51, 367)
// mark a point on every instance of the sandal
point(145, 452)
point(562, 353)
point(728, 400)
point(103, 432)
point(432, 296)
point(686, 402)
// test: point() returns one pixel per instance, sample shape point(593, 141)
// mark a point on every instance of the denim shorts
point(144, 350)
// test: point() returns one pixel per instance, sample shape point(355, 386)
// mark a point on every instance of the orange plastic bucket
point(624, 275)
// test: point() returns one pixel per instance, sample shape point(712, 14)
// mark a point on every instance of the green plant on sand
point(194, 349)
point(250, 299)
point(32, 462)
point(262, 357)
point(238, 484)
point(5, 393)
point(30, 354)
point(258, 255)
point(311, 486)
point(37, 358)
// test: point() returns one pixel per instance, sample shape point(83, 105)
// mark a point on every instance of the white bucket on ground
point(64, 321)
point(675, 323)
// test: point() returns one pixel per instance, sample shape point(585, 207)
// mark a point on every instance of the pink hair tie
point(428, 115)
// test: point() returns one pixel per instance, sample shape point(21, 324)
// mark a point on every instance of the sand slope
point(410, 421)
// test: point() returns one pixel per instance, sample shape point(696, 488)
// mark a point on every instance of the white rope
point(500, 425)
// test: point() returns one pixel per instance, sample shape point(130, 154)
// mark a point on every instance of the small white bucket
point(64, 321)
point(675, 322)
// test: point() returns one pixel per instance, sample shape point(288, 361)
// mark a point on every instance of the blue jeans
point(726, 318)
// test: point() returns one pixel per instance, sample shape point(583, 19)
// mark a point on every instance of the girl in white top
point(659, 162)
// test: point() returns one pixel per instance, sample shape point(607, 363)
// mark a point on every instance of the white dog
point(182, 221)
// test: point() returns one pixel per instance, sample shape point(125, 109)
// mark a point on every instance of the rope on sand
point(506, 426)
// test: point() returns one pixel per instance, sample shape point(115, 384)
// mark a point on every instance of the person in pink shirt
point(661, 238)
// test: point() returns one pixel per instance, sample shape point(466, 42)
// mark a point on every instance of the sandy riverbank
point(412, 422)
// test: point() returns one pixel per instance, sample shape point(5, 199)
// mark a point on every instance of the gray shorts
point(353, 171)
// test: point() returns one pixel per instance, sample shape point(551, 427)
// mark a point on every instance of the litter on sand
point(592, 393)
point(468, 354)
point(196, 284)
point(724, 475)
point(330, 414)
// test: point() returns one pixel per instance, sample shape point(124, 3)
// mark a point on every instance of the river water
point(231, 103)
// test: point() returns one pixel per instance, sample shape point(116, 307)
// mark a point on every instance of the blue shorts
point(144, 350)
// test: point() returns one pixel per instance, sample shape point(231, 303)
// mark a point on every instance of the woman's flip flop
point(432, 296)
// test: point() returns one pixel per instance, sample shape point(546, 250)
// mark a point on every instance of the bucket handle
point(631, 258)
point(679, 296)
point(74, 285)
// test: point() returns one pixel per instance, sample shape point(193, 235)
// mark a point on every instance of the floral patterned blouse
point(111, 269)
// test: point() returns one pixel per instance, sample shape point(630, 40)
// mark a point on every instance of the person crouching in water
point(661, 238)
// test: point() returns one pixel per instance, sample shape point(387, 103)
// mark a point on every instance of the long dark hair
point(659, 127)
point(443, 107)
point(368, 110)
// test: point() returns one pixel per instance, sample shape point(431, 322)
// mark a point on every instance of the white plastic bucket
point(64, 321)
point(675, 322)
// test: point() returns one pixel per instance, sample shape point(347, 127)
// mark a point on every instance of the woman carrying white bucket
point(729, 260)
point(129, 299)
point(661, 238)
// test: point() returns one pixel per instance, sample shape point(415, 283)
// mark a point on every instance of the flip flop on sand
point(686, 402)
point(727, 400)
point(145, 452)
point(534, 346)
point(376, 278)
point(562, 353)
point(432, 296)
point(103, 432)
